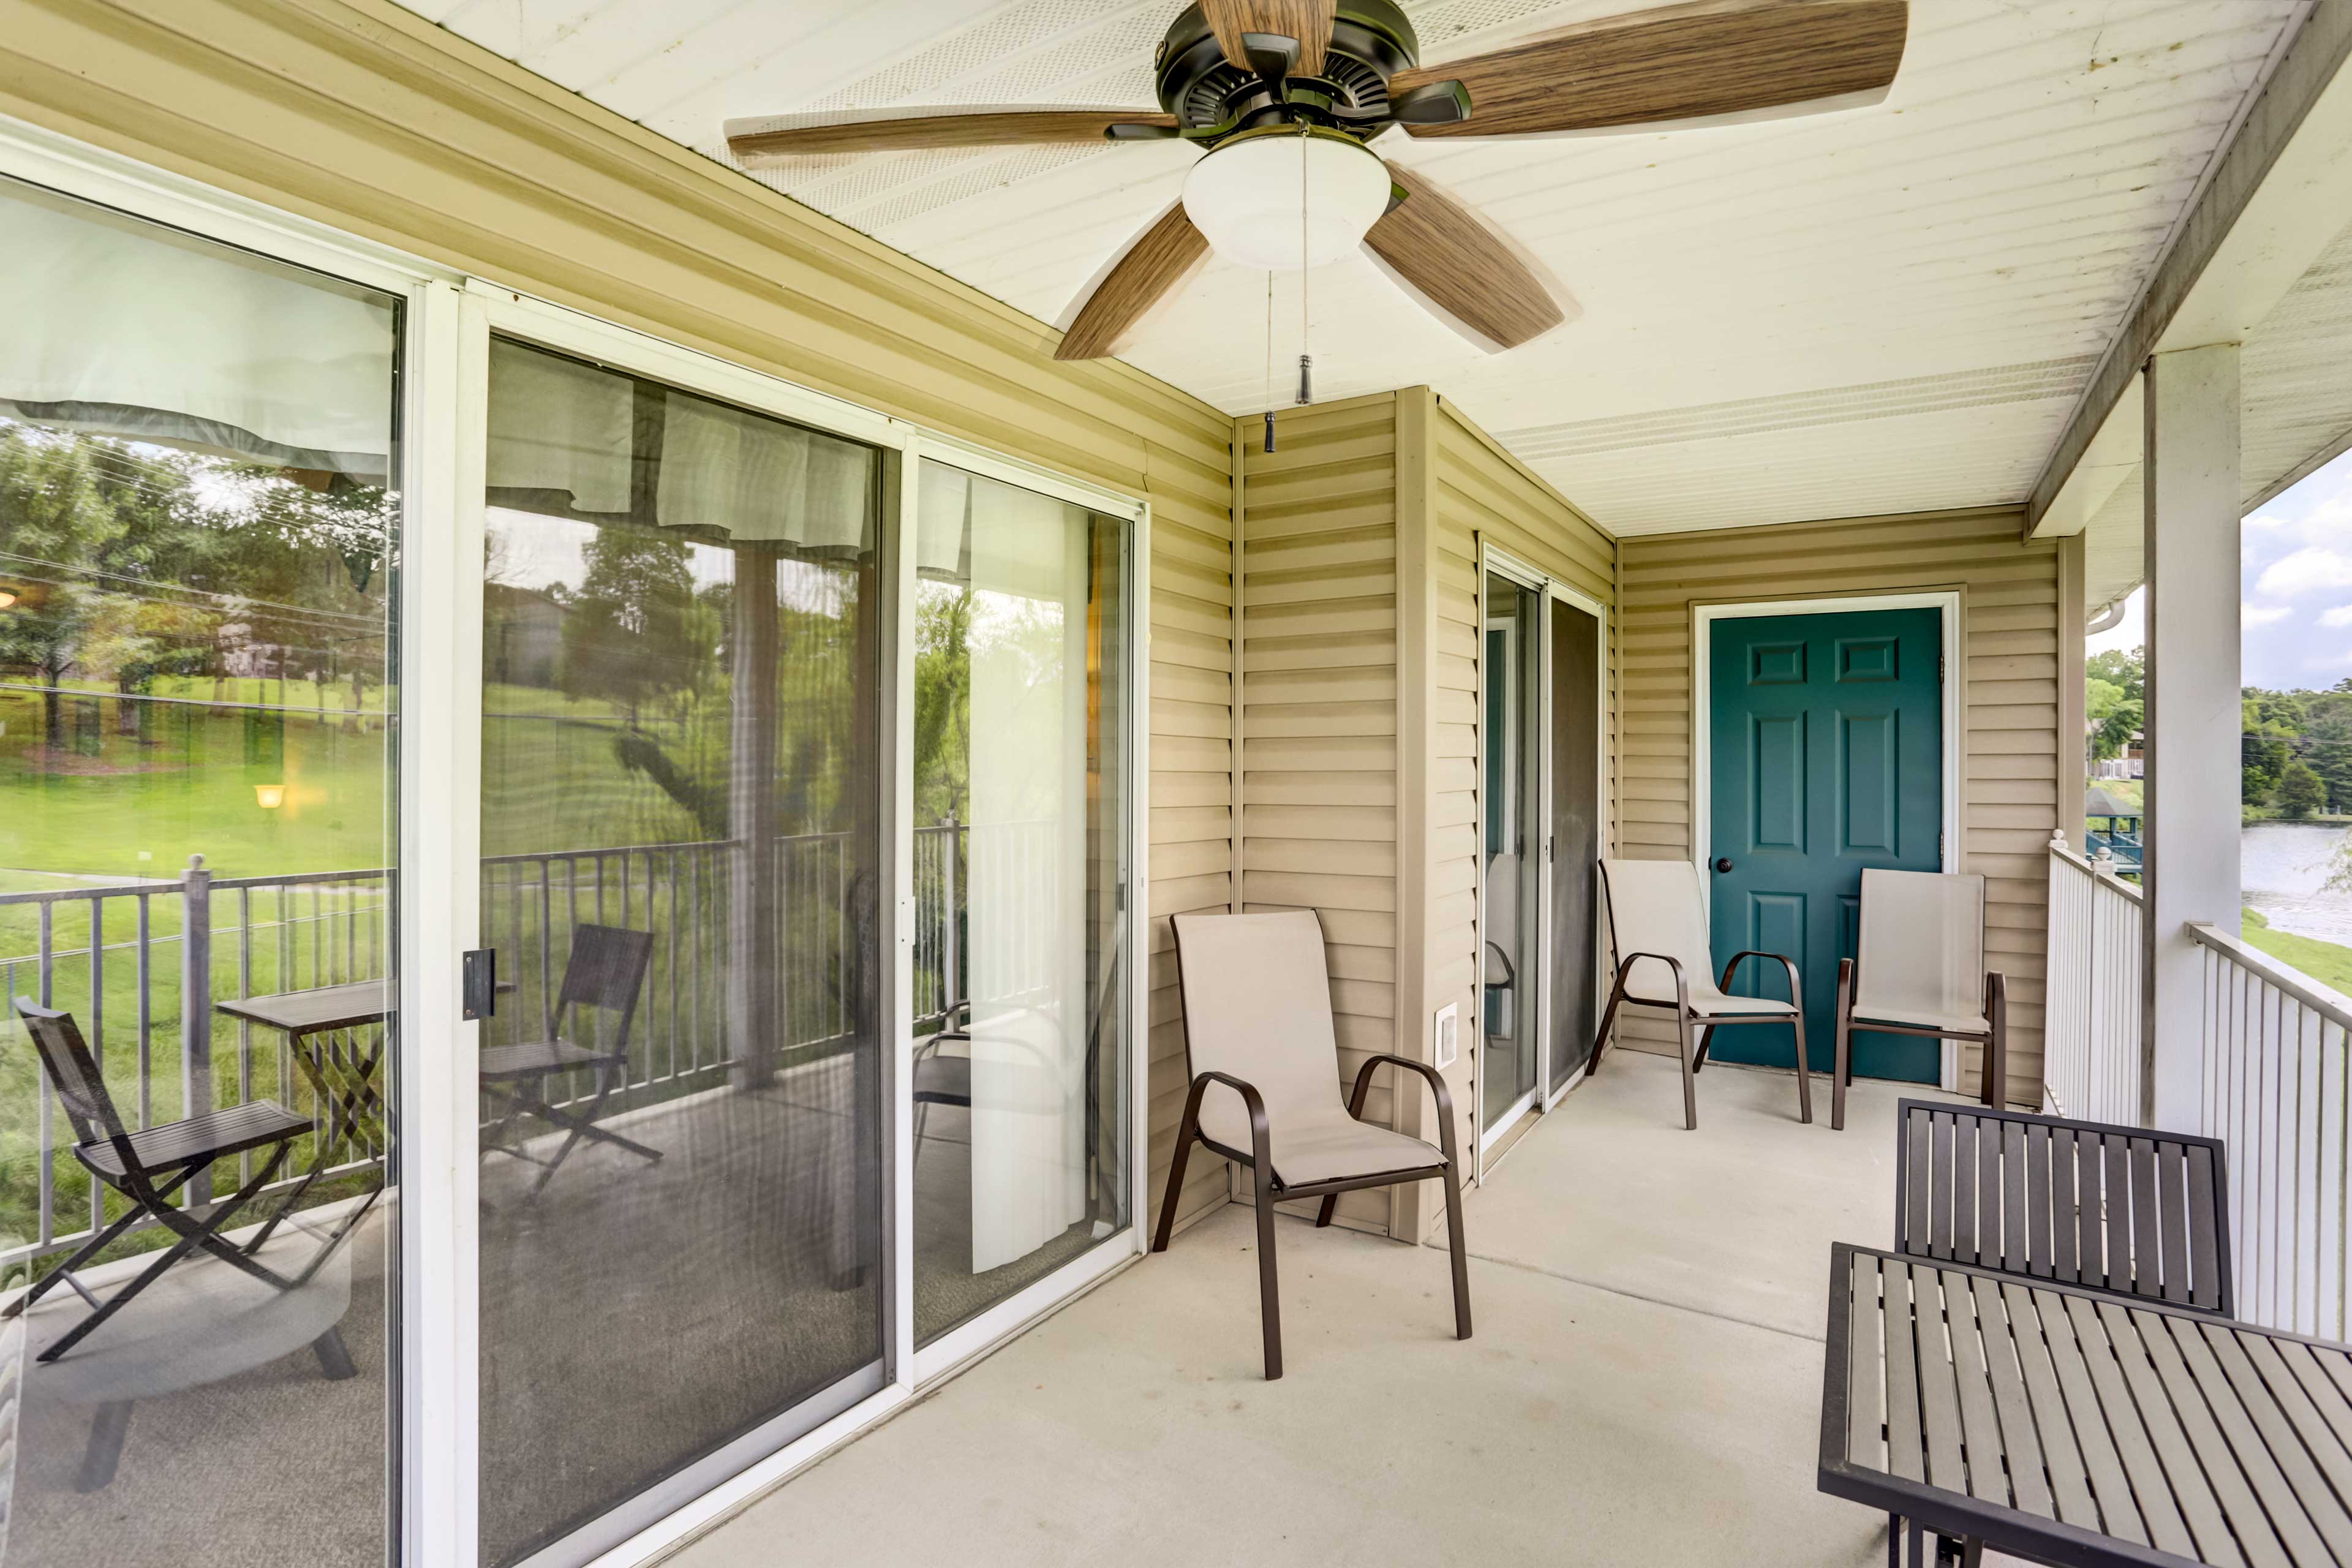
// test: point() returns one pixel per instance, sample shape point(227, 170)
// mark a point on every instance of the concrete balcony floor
point(1643, 1385)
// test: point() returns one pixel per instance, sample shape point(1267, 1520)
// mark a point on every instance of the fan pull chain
point(1270, 362)
point(1305, 360)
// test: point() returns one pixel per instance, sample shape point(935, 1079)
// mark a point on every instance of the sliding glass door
point(201, 532)
point(1019, 1062)
point(633, 864)
point(1514, 817)
point(680, 1213)
point(1545, 662)
point(807, 877)
point(1573, 670)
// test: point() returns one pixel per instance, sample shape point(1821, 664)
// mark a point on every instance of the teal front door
point(1826, 734)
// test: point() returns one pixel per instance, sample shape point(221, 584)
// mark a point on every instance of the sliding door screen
point(681, 1191)
point(1575, 834)
point(198, 718)
point(1023, 868)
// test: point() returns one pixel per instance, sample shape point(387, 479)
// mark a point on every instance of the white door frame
point(1547, 589)
point(447, 324)
point(1947, 602)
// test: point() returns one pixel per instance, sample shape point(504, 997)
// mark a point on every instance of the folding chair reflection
point(147, 1167)
point(607, 971)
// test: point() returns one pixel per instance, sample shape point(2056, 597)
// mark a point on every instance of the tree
point(2262, 762)
point(634, 633)
point(2271, 724)
point(2115, 717)
point(2300, 791)
point(2121, 668)
point(942, 703)
point(55, 520)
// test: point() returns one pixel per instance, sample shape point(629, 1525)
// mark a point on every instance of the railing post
point(755, 994)
point(2096, 1023)
point(196, 1004)
point(949, 995)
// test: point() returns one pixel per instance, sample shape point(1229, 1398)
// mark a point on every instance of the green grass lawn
point(2328, 963)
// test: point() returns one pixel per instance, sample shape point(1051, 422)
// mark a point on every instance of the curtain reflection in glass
point(681, 1219)
point(197, 711)
point(1022, 861)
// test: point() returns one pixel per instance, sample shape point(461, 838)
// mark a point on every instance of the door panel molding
point(1947, 602)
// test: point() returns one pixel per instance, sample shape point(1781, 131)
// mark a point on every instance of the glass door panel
point(1023, 867)
point(681, 1189)
point(198, 712)
point(1574, 832)
point(1513, 779)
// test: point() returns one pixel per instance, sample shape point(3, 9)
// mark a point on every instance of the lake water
point(2283, 869)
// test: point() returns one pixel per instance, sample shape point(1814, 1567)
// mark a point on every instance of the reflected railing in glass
point(119, 952)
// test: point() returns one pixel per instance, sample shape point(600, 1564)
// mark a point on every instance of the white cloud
point(2327, 520)
point(2272, 614)
point(2311, 569)
point(2341, 615)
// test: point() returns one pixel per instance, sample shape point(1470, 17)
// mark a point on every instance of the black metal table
point(2074, 1427)
point(350, 1105)
point(343, 1081)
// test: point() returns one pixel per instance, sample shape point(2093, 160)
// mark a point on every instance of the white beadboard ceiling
point(1884, 309)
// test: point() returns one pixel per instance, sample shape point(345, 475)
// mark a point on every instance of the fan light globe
point(1247, 197)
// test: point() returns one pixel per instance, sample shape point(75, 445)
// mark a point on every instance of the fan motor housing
point(1211, 97)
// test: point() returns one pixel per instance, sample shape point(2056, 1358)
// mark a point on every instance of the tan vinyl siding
point(2009, 701)
point(1319, 707)
point(1477, 490)
point(361, 116)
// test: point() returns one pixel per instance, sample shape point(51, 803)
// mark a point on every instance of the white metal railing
point(2093, 1048)
point(2272, 1088)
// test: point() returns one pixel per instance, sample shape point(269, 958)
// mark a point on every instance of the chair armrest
point(1796, 997)
point(1261, 1132)
point(1437, 1086)
point(1996, 1064)
point(1682, 986)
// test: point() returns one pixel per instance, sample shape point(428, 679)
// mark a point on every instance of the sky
point(2295, 613)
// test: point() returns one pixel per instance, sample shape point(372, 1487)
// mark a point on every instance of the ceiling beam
point(2108, 458)
point(2277, 196)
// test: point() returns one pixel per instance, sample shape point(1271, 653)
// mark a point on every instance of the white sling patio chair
point(1264, 1060)
point(1657, 929)
point(1921, 972)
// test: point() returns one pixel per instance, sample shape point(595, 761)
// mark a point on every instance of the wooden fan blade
point(899, 133)
point(1433, 243)
point(1678, 62)
point(1308, 21)
point(1153, 266)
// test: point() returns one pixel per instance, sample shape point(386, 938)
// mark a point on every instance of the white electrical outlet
point(1448, 1034)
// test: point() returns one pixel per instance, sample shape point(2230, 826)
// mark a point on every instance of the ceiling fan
point(1283, 96)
